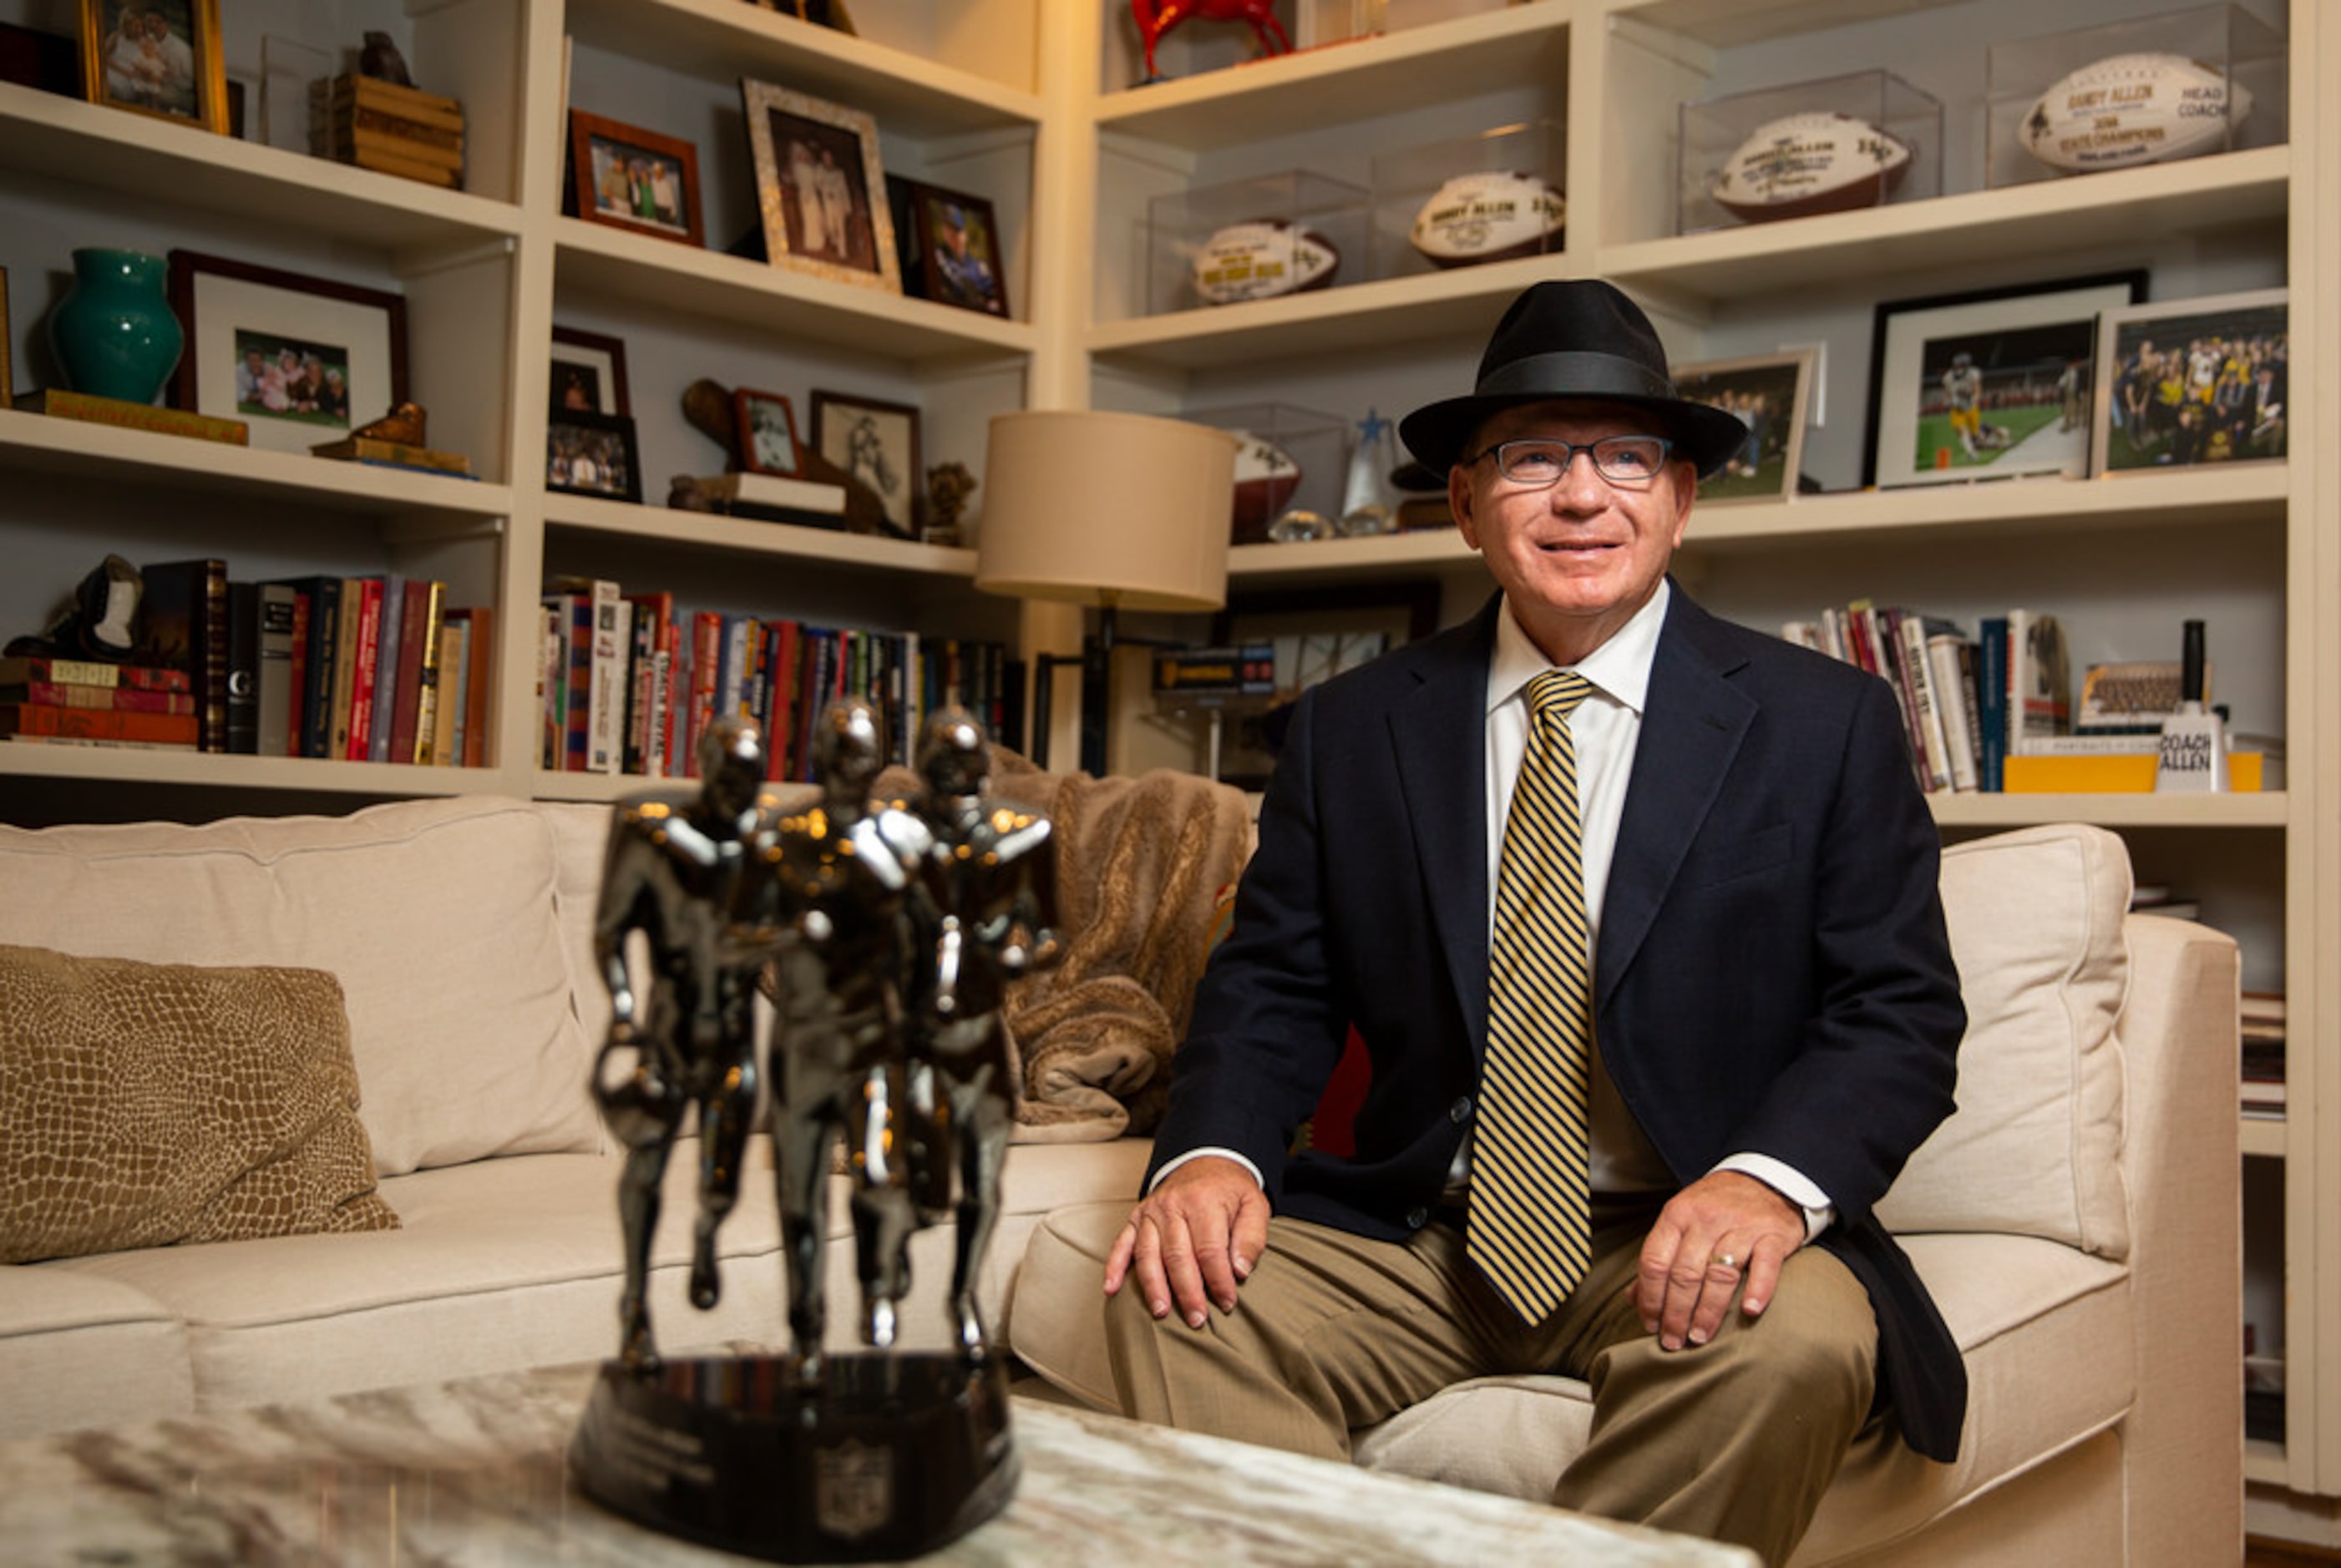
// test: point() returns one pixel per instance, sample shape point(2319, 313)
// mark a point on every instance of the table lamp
point(1119, 511)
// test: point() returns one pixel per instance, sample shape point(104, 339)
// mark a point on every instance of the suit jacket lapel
point(1439, 737)
point(1692, 724)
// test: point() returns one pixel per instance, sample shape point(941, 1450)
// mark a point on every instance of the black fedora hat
point(1573, 338)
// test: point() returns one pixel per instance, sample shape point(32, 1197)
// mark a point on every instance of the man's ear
point(1458, 501)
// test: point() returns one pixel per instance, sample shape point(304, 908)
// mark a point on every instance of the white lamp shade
point(1100, 508)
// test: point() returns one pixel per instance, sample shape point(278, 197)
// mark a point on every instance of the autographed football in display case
point(2129, 109)
point(1262, 259)
point(1489, 215)
point(1261, 238)
point(1805, 164)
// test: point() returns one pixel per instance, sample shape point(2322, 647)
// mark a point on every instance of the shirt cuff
point(1787, 1181)
point(1198, 1153)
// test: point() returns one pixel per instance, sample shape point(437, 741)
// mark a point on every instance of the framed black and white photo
point(1769, 394)
point(2192, 382)
point(1994, 383)
point(301, 361)
point(158, 57)
point(820, 187)
point(629, 178)
point(588, 453)
point(589, 372)
point(765, 427)
point(877, 443)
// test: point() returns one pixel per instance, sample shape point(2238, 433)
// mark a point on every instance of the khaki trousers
point(1734, 1440)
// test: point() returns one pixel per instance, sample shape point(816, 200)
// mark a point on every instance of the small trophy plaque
point(888, 932)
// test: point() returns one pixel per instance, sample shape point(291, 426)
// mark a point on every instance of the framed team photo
point(2192, 382)
point(1769, 393)
point(589, 453)
point(158, 57)
point(820, 187)
point(1990, 385)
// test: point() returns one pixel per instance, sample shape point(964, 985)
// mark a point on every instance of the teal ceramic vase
point(113, 332)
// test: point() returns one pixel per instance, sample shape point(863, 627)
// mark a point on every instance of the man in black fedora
point(1653, 979)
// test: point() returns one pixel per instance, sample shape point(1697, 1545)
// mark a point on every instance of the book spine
point(389, 664)
point(280, 631)
point(97, 698)
point(605, 740)
point(1927, 711)
point(1991, 702)
point(422, 633)
point(90, 672)
point(577, 714)
point(244, 669)
point(706, 655)
point(355, 718)
point(325, 654)
point(1947, 664)
point(100, 724)
point(447, 710)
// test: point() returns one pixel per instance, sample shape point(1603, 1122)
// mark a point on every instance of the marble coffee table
point(475, 1472)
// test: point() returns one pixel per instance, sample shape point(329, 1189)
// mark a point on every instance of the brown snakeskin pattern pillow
point(142, 1105)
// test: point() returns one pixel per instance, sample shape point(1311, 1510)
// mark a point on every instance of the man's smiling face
point(1578, 559)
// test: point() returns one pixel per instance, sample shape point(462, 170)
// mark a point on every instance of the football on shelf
point(1266, 478)
point(2131, 109)
point(1804, 164)
point(1488, 216)
point(1260, 260)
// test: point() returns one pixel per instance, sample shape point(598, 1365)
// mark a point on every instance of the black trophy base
point(893, 1456)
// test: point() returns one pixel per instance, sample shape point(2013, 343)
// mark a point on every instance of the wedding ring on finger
point(1727, 1260)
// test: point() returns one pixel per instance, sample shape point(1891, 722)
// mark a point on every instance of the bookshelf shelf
point(2265, 809)
point(745, 536)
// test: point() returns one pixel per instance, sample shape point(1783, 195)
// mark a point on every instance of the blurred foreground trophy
point(891, 929)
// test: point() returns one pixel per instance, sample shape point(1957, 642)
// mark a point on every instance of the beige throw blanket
point(1142, 864)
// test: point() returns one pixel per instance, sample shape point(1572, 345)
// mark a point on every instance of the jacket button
point(1460, 1111)
point(1416, 1218)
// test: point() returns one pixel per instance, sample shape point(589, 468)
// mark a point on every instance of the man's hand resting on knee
point(1192, 1240)
point(1722, 1229)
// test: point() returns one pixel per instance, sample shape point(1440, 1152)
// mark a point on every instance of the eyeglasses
point(1628, 461)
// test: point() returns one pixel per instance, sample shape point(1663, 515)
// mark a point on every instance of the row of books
point(2263, 1053)
point(627, 683)
point(1994, 711)
point(361, 668)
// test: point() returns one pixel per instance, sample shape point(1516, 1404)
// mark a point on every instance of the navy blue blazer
point(1772, 971)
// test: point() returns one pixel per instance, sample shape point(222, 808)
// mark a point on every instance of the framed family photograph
point(766, 427)
point(1990, 385)
point(820, 187)
point(1769, 393)
point(877, 443)
point(301, 360)
point(951, 249)
point(589, 372)
point(589, 453)
point(158, 57)
point(2192, 382)
point(629, 178)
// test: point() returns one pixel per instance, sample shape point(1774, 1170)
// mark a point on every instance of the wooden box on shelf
point(394, 130)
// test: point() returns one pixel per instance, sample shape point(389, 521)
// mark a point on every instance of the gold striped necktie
point(1529, 1229)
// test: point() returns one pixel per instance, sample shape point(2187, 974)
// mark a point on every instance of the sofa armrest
point(2180, 1050)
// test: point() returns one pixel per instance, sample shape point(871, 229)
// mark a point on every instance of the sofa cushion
point(75, 1351)
point(150, 1104)
point(438, 918)
point(2036, 926)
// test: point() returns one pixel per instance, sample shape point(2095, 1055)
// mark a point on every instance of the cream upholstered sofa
point(460, 934)
point(2076, 1220)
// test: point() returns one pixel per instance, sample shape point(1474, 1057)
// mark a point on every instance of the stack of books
point(2263, 1065)
point(377, 125)
point(88, 702)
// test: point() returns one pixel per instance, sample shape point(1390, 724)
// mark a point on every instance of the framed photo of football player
point(1983, 385)
point(820, 187)
point(2192, 382)
point(1769, 393)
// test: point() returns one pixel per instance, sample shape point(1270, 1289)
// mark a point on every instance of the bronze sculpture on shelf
point(986, 912)
point(673, 876)
point(889, 932)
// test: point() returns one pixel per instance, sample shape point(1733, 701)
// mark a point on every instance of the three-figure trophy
point(885, 933)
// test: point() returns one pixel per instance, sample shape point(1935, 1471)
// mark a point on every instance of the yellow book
point(2122, 773)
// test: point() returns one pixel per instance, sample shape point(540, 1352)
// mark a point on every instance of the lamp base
point(890, 1457)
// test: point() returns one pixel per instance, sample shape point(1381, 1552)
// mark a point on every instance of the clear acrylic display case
point(2224, 43)
point(1181, 228)
point(1782, 148)
point(1316, 445)
point(1438, 184)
